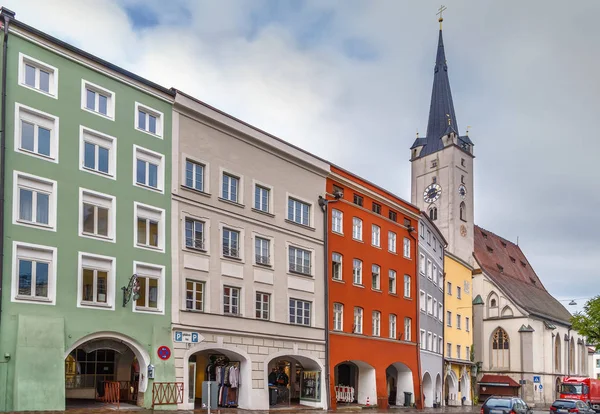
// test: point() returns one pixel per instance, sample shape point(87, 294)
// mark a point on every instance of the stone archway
point(360, 376)
point(404, 382)
point(428, 396)
point(438, 389)
point(451, 389)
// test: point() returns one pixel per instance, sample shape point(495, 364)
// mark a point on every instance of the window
point(392, 281)
point(96, 281)
point(299, 312)
point(299, 260)
point(231, 300)
point(34, 273)
point(449, 288)
point(358, 321)
point(375, 235)
point(440, 311)
point(440, 344)
point(458, 292)
point(194, 234)
point(462, 179)
point(97, 153)
point(150, 232)
point(263, 301)
point(261, 198)
point(429, 269)
point(435, 244)
point(434, 275)
point(393, 215)
point(149, 168)
point(148, 120)
point(36, 133)
point(423, 339)
point(37, 75)
point(357, 228)
point(429, 305)
point(407, 329)
point(422, 264)
point(34, 201)
point(422, 301)
point(501, 349)
point(336, 266)
point(429, 341)
point(407, 248)
point(435, 343)
point(231, 243)
point(262, 251)
point(458, 348)
point(467, 352)
point(97, 215)
point(392, 242)
point(421, 230)
point(449, 350)
point(336, 221)
point(97, 99)
point(194, 175)
point(407, 286)
point(428, 237)
point(376, 278)
point(338, 317)
point(358, 200)
point(392, 327)
point(230, 188)
point(152, 289)
point(462, 162)
point(433, 213)
point(458, 320)
point(463, 211)
point(338, 190)
point(376, 319)
point(194, 295)
point(376, 208)
point(448, 318)
point(357, 272)
point(298, 212)
point(435, 308)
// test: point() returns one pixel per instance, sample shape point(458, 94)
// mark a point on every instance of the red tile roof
point(499, 379)
point(505, 263)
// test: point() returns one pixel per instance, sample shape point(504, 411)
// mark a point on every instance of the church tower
point(442, 167)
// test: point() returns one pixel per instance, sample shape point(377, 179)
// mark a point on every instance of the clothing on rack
point(228, 378)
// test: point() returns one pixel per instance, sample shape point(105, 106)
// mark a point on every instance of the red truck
point(584, 389)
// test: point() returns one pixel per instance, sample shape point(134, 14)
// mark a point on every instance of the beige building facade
point(248, 277)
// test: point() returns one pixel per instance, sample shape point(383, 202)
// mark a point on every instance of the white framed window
point(338, 317)
point(150, 227)
point(262, 198)
point(429, 341)
point(422, 265)
point(467, 324)
point(458, 321)
point(458, 293)
point(262, 251)
point(36, 133)
point(231, 300)
point(392, 281)
point(37, 75)
point(429, 305)
point(194, 295)
point(230, 188)
point(392, 326)
point(458, 353)
point(33, 273)
point(96, 282)
point(435, 308)
point(263, 306)
point(298, 211)
point(423, 339)
point(449, 288)
point(375, 235)
point(434, 275)
point(358, 321)
point(449, 350)
point(148, 120)
point(422, 301)
point(300, 312)
point(435, 343)
point(429, 269)
point(357, 228)
point(149, 169)
point(97, 215)
point(151, 281)
point(440, 344)
point(97, 100)
point(392, 242)
point(440, 311)
point(34, 201)
point(421, 230)
point(194, 234)
point(299, 260)
point(231, 243)
point(337, 221)
point(407, 286)
point(406, 250)
point(448, 318)
point(408, 329)
point(357, 272)
point(467, 352)
point(97, 153)
point(376, 323)
point(195, 175)
point(336, 266)
point(441, 280)
point(375, 277)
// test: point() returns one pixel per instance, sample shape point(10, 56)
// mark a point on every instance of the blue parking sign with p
point(178, 336)
point(195, 337)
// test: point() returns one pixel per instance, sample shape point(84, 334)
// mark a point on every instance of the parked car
point(505, 405)
point(570, 406)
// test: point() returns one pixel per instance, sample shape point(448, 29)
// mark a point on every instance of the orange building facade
point(373, 303)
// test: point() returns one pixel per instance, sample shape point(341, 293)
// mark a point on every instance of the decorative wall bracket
point(132, 290)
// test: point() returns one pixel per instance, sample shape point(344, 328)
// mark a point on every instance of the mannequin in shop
point(211, 374)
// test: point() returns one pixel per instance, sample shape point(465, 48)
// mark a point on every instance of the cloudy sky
point(350, 80)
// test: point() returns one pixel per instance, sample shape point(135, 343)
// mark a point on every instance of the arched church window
point(557, 355)
point(433, 213)
point(463, 211)
point(493, 303)
point(500, 349)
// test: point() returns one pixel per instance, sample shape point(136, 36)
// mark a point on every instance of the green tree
point(587, 323)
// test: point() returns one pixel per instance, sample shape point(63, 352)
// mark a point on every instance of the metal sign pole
point(209, 397)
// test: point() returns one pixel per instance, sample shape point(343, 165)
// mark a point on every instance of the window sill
point(232, 258)
point(196, 250)
point(100, 114)
point(357, 240)
point(407, 257)
point(375, 246)
point(264, 213)
point(37, 155)
point(31, 88)
point(263, 265)
point(149, 188)
point(149, 132)
point(96, 172)
point(96, 305)
point(234, 315)
point(192, 310)
point(393, 294)
point(306, 275)
point(408, 298)
point(306, 226)
point(33, 299)
point(233, 203)
point(337, 233)
point(35, 225)
point(376, 290)
point(195, 190)
point(149, 310)
point(150, 248)
point(392, 252)
point(97, 237)
point(358, 286)
point(338, 281)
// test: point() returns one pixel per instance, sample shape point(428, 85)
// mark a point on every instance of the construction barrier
point(112, 393)
point(164, 393)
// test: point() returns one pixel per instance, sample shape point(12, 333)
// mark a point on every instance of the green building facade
point(87, 207)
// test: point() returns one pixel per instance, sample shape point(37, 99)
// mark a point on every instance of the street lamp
point(132, 290)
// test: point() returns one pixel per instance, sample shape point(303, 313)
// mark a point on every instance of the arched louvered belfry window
point(433, 213)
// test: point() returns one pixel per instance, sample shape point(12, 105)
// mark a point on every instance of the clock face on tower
point(432, 193)
point(462, 190)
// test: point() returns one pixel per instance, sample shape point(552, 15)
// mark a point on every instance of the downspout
point(418, 322)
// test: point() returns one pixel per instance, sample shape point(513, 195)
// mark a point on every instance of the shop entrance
point(403, 393)
point(355, 383)
point(214, 376)
point(293, 381)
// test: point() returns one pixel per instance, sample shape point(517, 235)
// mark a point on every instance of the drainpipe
point(418, 321)
point(323, 203)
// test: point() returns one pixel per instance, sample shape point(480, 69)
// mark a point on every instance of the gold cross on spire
point(440, 11)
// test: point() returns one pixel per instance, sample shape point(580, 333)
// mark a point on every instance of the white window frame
point(336, 266)
point(310, 312)
point(153, 271)
point(36, 184)
point(393, 327)
point(38, 64)
point(240, 186)
point(97, 262)
point(458, 351)
point(440, 311)
point(263, 187)
point(429, 304)
point(406, 248)
point(458, 321)
point(434, 275)
point(429, 341)
point(357, 227)
point(449, 349)
point(161, 226)
point(407, 286)
point(407, 329)
point(160, 118)
point(239, 243)
point(239, 297)
point(149, 156)
point(376, 276)
point(357, 272)
point(467, 324)
point(392, 237)
point(376, 323)
point(269, 241)
point(392, 282)
point(310, 258)
point(205, 174)
point(423, 339)
point(435, 308)
point(422, 265)
point(101, 200)
point(435, 343)
point(97, 89)
point(301, 201)
point(338, 316)
point(375, 235)
point(203, 245)
point(422, 301)
point(440, 344)
point(36, 117)
point(429, 269)
point(99, 139)
point(194, 297)
point(337, 221)
point(262, 303)
point(33, 252)
point(358, 321)
point(449, 319)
